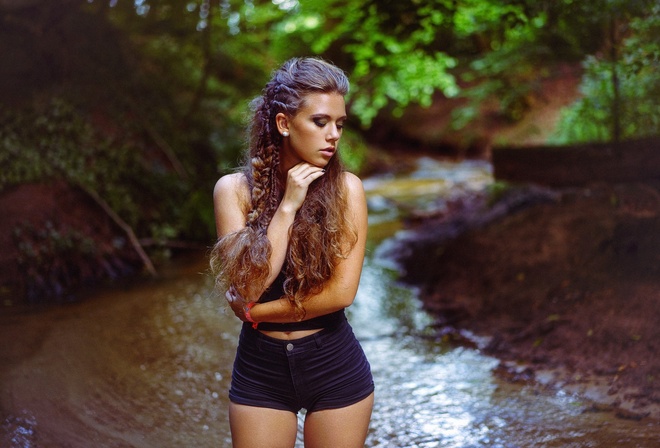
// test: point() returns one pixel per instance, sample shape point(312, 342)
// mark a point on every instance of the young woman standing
point(292, 230)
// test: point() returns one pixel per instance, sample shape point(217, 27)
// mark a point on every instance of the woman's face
point(314, 132)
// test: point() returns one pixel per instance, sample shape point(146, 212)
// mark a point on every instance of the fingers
point(298, 181)
point(236, 303)
point(304, 174)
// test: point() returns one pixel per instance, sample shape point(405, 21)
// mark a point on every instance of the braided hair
point(241, 259)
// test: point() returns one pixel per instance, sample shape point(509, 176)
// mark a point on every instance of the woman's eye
point(319, 123)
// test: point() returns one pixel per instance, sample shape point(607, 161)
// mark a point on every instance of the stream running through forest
point(149, 364)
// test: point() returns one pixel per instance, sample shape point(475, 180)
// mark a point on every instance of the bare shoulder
point(230, 202)
point(353, 184)
point(355, 194)
point(231, 185)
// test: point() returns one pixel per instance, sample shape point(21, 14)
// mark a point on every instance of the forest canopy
point(402, 52)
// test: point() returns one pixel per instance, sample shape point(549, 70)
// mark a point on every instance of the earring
point(285, 133)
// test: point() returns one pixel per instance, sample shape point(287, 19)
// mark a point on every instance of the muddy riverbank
point(563, 284)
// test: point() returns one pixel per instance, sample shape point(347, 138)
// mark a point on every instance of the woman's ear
point(282, 123)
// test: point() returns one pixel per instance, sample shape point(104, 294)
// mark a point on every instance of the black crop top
point(275, 292)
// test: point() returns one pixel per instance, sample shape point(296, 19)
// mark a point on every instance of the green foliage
point(591, 117)
point(55, 141)
point(353, 150)
point(197, 220)
point(396, 52)
point(393, 57)
point(385, 69)
point(41, 144)
point(519, 41)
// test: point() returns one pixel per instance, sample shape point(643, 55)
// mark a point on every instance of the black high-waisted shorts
point(326, 370)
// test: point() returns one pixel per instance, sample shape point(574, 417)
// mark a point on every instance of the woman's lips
point(328, 152)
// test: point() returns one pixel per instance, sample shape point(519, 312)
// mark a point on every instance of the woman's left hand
point(236, 303)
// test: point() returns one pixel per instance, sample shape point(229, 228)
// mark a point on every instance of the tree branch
point(124, 226)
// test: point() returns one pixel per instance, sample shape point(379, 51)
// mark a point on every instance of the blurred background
point(117, 117)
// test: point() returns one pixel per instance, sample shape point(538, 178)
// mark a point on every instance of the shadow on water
point(149, 365)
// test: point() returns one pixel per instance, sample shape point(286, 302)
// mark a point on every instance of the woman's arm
point(231, 197)
point(339, 292)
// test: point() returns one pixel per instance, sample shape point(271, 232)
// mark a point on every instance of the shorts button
point(289, 347)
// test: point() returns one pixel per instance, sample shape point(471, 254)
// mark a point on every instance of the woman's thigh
point(345, 427)
point(255, 427)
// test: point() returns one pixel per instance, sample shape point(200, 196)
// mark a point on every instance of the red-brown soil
point(565, 285)
point(55, 239)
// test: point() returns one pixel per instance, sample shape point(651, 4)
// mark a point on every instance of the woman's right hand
point(298, 180)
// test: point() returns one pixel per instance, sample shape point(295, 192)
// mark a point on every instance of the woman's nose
point(334, 133)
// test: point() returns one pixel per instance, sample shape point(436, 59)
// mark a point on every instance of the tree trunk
point(616, 99)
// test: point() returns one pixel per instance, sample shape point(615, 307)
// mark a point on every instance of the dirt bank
point(564, 285)
point(55, 240)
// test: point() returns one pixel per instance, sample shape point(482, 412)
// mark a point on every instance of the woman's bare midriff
point(290, 335)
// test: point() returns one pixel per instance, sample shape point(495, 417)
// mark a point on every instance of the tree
point(620, 87)
point(396, 52)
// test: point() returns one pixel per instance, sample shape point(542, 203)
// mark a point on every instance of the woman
point(291, 239)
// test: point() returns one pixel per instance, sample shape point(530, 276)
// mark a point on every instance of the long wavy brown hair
point(320, 236)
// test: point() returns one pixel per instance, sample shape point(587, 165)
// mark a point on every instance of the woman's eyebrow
point(343, 117)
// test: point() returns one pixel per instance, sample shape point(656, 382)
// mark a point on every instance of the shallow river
point(148, 365)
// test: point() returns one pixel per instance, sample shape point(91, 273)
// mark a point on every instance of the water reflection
point(149, 365)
